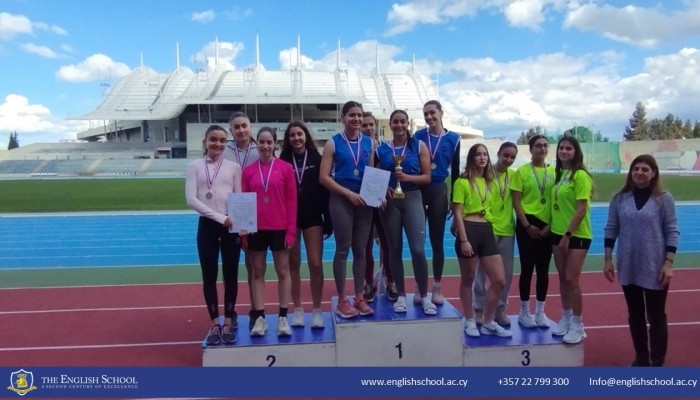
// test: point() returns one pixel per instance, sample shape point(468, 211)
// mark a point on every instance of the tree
point(14, 142)
point(637, 128)
point(696, 130)
point(537, 130)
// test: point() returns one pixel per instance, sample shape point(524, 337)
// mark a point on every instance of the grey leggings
point(409, 215)
point(351, 226)
point(436, 208)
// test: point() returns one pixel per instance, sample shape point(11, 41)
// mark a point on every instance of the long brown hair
point(576, 163)
point(470, 171)
point(655, 185)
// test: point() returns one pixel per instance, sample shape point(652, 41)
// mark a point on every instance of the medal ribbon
point(563, 180)
point(297, 172)
point(437, 144)
point(537, 178)
point(502, 189)
point(355, 157)
point(486, 187)
point(217, 168)
point(265, 182)
point(245, 158)
point(403, 151)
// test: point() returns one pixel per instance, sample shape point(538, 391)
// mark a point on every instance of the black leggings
point(213, 237)
point(436, 208)
point(642, 305)
point(535, 255)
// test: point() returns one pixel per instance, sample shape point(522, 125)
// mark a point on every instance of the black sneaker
point(391, 293)
point(214, 336)
point(368, 293)
point(227, 335)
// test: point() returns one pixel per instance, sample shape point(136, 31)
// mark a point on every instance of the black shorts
point(575, 243)
point(307, 221)
point(480, 236)
point(262, 240)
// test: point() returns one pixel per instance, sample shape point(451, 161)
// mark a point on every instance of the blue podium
point(392, 339)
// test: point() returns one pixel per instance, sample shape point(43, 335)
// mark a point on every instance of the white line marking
point(187, 306)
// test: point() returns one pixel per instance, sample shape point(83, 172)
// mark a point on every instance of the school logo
point(21, 382)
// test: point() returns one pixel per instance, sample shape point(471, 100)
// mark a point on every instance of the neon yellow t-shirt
point(502, 216)
point(474, 199)
point(564, 197)
point(535, 184)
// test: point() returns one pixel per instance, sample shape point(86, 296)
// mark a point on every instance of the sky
point(506, 65)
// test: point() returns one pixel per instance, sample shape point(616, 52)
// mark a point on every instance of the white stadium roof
point(145, 94)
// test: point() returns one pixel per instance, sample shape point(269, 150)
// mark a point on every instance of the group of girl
point(544, 208)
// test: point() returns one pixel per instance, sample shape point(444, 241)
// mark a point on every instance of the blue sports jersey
point(411, 164)
point(344, 160)
point(444, 153)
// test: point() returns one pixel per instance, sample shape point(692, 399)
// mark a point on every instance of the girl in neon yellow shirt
point(475, 242)
point(570, 234)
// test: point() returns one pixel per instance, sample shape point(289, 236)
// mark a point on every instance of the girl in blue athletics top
point(347, 153)
point(243, 151)
point(208, 183)
point(313, 221)
point(369, 129)
point(443, 146)
point(406, 212)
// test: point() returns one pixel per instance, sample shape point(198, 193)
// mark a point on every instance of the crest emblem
point(21, 382)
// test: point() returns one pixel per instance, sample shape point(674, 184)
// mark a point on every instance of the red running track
point(163, 325)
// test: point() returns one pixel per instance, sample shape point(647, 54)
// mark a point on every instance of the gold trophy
point(398, 192)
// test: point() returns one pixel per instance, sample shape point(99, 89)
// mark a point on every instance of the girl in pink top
point(208, 183)
point(274, 183)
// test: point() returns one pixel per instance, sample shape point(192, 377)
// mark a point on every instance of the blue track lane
point(150, 239)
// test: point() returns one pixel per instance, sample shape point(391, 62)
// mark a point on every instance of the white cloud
point(406, 16)
point(67, 48)
point(236, 14)
point(361, 55)
point(12, 25)
point(96, 67)
point(39, 50)
point(34, 122)
point(203, 17)
point(42, 26)
point(635, 25)
point(228, 51)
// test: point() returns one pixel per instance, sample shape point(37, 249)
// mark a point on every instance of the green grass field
point(72, 195)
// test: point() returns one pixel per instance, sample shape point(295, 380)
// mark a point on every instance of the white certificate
point(243, 210)
point(375, 183)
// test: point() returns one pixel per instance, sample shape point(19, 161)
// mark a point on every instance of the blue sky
point(506, 64)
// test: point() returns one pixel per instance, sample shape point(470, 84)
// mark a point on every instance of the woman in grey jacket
point(642, 216)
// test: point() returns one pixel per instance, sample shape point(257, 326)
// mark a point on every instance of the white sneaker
point(525, 319)
point(575, 335)
point(416, 298)
point(541, 319)
point(437, 297)
point(470, 328)
point(562, 326)
point(317, 318)
point(493, 328)
point(283, 328)
point(260, 327)
point(298, 319)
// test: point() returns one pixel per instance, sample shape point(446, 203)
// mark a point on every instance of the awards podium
point(387, 338)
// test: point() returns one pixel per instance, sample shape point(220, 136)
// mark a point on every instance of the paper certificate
point(375, 183)
point(243, 210)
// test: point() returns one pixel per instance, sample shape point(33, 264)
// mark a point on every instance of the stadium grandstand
point(175, 108)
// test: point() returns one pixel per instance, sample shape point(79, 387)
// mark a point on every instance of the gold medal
point(433, 166)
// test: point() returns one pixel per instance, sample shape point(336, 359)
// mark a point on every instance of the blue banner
point(346, 382)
